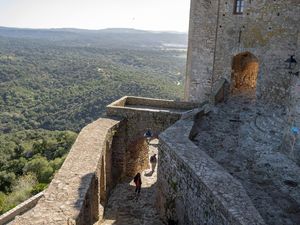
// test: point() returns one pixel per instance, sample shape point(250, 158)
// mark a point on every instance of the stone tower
point(265, 31)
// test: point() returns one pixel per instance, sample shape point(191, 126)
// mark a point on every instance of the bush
point(38, 188)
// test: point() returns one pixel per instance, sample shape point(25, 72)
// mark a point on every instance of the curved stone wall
point(194, 189)
point(73, 196)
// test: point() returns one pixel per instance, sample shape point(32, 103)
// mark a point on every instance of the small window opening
point(239, 7)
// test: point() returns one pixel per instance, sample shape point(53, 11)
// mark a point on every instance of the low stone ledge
point(159, 103)
point(21, 208)
point(73, 195)
point(141, 104)
point(194, 189)
point(120, 102)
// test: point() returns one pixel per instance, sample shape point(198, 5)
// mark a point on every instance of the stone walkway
point(126, 208)
point(245, 136)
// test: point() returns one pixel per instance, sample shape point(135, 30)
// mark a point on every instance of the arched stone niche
point(245, 67)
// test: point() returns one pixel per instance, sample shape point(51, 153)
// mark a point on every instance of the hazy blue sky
point(96, 14)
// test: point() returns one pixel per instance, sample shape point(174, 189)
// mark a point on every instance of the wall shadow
point(88, 200)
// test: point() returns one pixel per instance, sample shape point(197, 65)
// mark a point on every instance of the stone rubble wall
point(194, 189)
point(73, 196)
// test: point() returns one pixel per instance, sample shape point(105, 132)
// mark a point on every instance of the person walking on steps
point(138, 183)
point(153, 161)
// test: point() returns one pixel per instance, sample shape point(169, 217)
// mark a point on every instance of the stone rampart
point(73, 196)
point(105, 151)
point(194, 189)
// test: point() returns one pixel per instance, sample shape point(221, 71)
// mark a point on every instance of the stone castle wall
point(201, 53)
point(73, 196)
point(104, 152)
point(194, 189)
point(268, 29)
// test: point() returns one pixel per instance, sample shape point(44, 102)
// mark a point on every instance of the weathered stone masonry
point(104, 152)
point(194, 189)
point(73, 195)
point(268, 29)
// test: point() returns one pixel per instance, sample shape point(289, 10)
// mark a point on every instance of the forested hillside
point(53, 82)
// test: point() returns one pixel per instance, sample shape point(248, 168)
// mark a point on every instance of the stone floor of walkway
point(124, 207)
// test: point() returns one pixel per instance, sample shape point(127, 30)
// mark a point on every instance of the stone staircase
point(245, 137)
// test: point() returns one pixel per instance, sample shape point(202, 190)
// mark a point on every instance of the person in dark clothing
point(148, 135)
point(138, 183)
point(153, 161)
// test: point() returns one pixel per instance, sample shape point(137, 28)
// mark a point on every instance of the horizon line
point(99, 29)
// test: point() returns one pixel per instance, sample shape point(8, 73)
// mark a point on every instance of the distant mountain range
point(110, 38)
